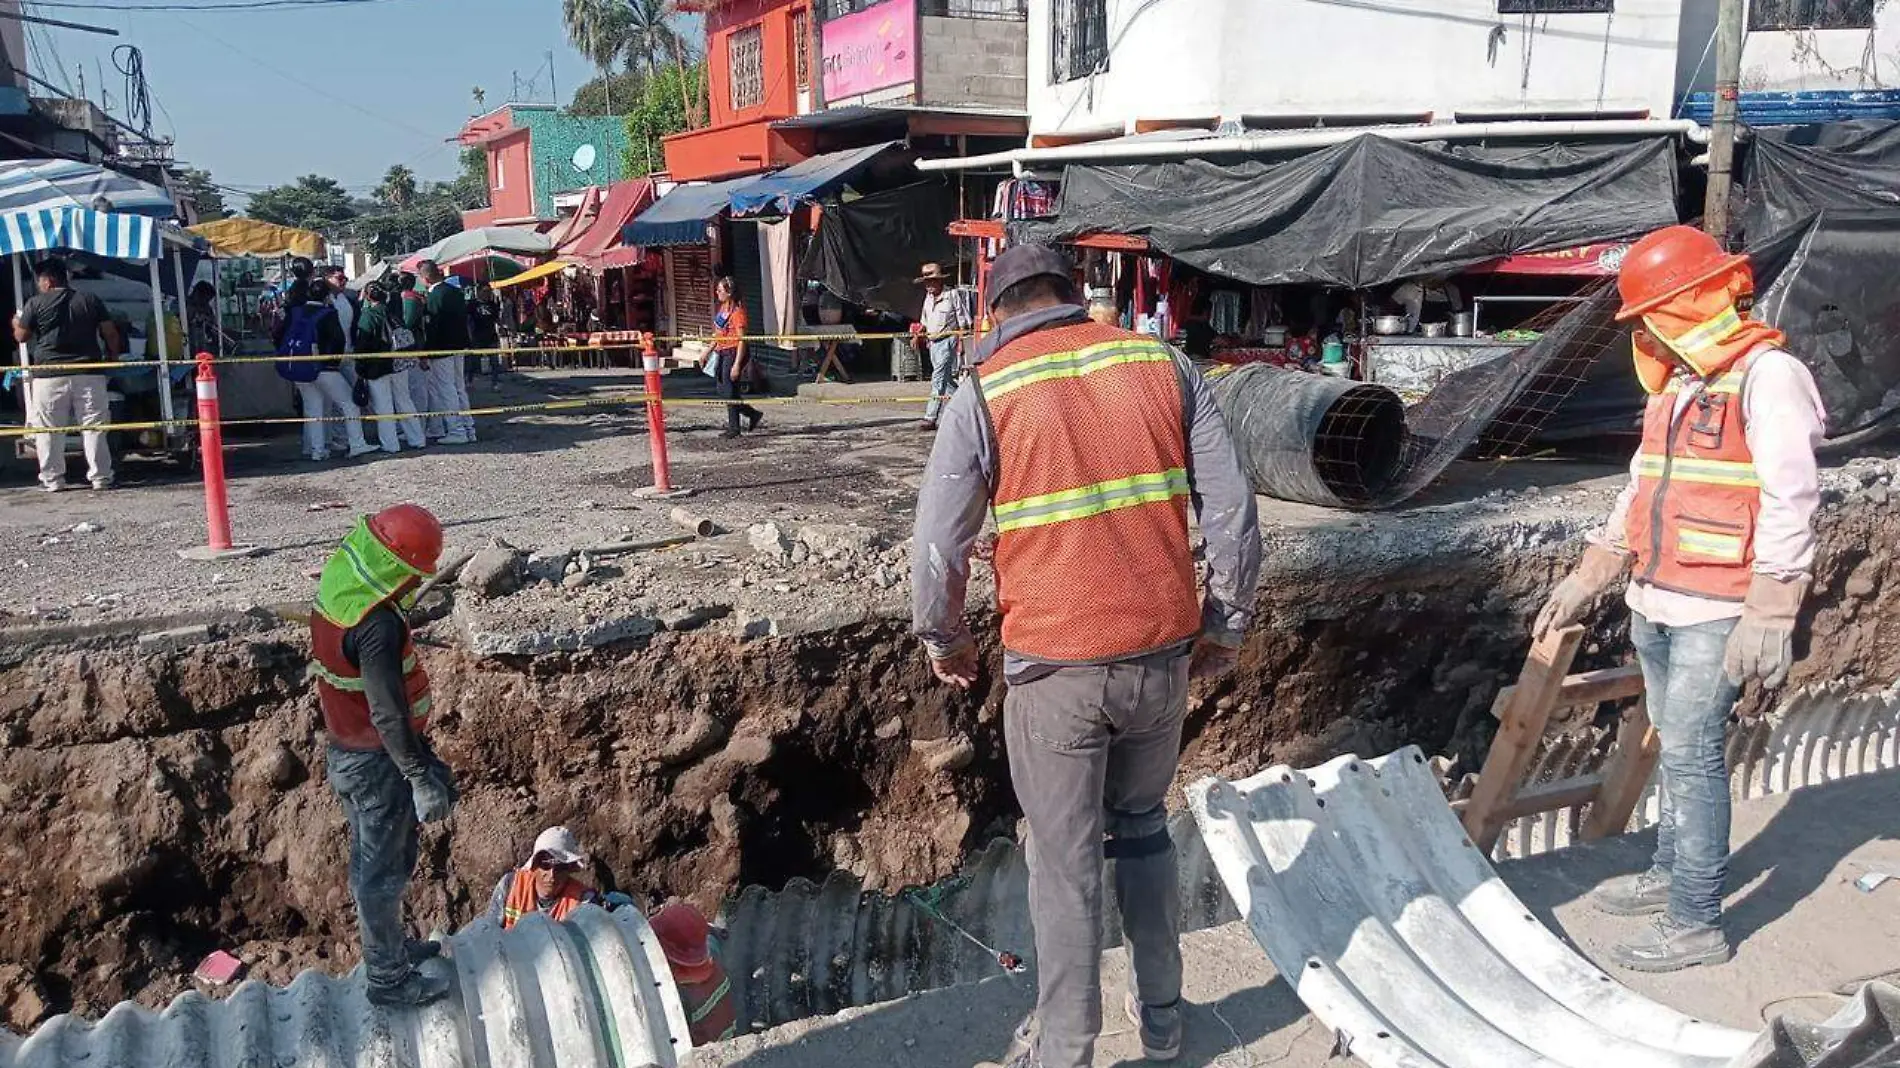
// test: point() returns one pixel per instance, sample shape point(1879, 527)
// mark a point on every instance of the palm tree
point(651, 39)
point(399, 187)
point(597, 29)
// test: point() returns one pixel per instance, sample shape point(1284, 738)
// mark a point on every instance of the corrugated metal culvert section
point(594, 992)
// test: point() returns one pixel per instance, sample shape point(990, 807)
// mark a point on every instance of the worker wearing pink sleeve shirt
point(1716, 528)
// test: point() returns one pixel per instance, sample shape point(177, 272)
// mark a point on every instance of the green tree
point(312, 202)
point(592, 97)
point(208, 198)
point(398, 189)
point(652, 39)
point(598, 30)
point(661, 110)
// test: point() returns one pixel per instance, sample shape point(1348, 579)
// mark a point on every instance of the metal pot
point(1433, 330)
point(1463, 324)
point(1388, 325)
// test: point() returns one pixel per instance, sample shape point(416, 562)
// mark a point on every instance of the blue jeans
point(1689, 702)
point(943, 375)
point(381, 812)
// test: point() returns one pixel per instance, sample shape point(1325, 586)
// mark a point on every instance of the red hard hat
point(682, 932)
point(410, 531)
point(1666, 262)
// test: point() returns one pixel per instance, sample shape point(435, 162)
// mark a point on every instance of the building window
point(801, 48)
point(1078, 38)
point(1556, 7)
point(746, 51)
point(501, 173)
point(1769, 15)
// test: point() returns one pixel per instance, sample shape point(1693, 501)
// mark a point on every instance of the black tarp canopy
point(1370, 211)
point(868, 250)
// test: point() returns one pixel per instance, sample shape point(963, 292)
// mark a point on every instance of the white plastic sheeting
point(592, 992)
point(1396, 932)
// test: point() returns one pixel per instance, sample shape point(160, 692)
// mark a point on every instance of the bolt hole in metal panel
point(592, 992)
point(1389, 923)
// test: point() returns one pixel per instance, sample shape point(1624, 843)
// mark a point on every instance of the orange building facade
point(760, 59)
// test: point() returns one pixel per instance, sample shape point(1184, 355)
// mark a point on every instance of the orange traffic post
point(656, 425)
point(218, 544)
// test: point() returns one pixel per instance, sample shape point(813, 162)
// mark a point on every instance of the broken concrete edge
point(161, 633)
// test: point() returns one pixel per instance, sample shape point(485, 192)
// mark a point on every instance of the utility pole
point(554, 91)
point(1730, 31)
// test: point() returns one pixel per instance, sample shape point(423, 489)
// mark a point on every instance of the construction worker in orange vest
point(1716, 527)
point(704, 988)
point(1087, 444)
point(549, 882)
point(374, 696)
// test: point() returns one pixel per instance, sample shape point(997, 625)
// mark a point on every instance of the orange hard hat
point(410, 531)
point(683, 934)
point(1667, 262)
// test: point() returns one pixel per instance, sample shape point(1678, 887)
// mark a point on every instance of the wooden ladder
point(1523, 712)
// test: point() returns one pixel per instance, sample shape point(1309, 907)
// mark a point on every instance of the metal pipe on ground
point(693, 521)
point(1311, 438)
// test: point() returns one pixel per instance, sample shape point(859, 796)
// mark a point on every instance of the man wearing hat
point(374, 695)
point(704, 988)
point(547, 882)
point(938, 327)
point(1716, 531)
point(1088, 443)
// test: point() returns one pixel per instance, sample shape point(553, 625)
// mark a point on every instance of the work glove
point(1593, 574)
point(1762, 645)
point(434, 795)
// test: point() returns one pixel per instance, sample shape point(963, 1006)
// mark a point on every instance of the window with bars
point(745, 52)
point(1772, 15)
point(1556, 7)
point(801, 48)
point(1078, 38)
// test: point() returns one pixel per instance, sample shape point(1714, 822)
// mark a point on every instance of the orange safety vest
point(521, 900)
point(710, 1014)
point(1092, 556)
point(340, 688)
point(1691, 524)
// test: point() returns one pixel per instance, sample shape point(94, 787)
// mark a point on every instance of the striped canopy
point(48, 204)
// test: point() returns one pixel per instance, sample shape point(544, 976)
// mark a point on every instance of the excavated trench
point(160, 804)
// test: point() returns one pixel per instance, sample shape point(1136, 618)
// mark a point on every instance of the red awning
point(570, 228)
point(1599, 259)
point(600, 242)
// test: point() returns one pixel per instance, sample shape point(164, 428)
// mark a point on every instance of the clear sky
point(259, 97)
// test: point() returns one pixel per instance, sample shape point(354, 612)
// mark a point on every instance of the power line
point(175, 5)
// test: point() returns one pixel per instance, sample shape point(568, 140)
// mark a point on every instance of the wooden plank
point(1520, 729)
point(1546, 797)
point(1626, 774)
point(1588, 688)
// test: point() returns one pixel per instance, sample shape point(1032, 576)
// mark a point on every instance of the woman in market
point(388, 388)
point(729, 350)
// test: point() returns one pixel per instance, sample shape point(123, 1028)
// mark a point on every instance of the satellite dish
point(584, 158)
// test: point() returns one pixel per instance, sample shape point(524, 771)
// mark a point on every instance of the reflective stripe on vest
point(352, 683)
point(1091, 473)
point(340, 691)
point(1686, 469)
point(1709, 333)
point(1691, 522)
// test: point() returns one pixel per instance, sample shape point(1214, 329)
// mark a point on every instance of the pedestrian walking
point(61, 326)
point(940, 322)
point(1718, 522)
point(1088, 443)
point(484, 334)
point(388, 388)
point(374, 696)
point(407, 312)
point(312, 346)
point(730, 356)
point(445, 324)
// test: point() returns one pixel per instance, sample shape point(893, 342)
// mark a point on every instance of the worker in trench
point(550, 882)
point(374, 695)
point(1716, 528)
point(1088, 444)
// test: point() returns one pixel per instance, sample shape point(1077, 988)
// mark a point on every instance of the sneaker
point(420, 988)
point(362, 450)
point(1669, 946)
point(103, 484)
point(53, 487)
point(1642, 894)
point(753, 420)
point(316, 457)
point(1160, 1026)
point(728, 434)
point(452, 439)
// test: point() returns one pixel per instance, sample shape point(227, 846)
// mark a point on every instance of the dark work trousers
point(1092, 751)
point(730, 389)
point(381, 812)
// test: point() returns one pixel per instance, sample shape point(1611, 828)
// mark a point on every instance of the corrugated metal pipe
point(1120, 150)
point(1316, 439)
point(592, 992)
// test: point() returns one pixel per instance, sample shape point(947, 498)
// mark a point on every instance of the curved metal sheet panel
point(1360, 884)
point(593, 992)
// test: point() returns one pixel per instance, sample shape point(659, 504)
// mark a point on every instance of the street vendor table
point(832, 336)
point(1412, 366)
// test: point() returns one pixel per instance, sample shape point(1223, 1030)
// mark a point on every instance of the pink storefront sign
point(872, 49)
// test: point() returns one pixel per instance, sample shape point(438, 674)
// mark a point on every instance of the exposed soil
point(162, 805)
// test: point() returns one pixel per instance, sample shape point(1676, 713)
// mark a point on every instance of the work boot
point(419, 989)
point(1669, 946)
point(421, 949)
point(1642, 894)
point(1160, 1026)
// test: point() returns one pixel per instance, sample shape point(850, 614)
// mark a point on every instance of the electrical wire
point(175, 5)
point(129, 61)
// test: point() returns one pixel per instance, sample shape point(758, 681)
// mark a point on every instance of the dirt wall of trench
point(155, 806)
